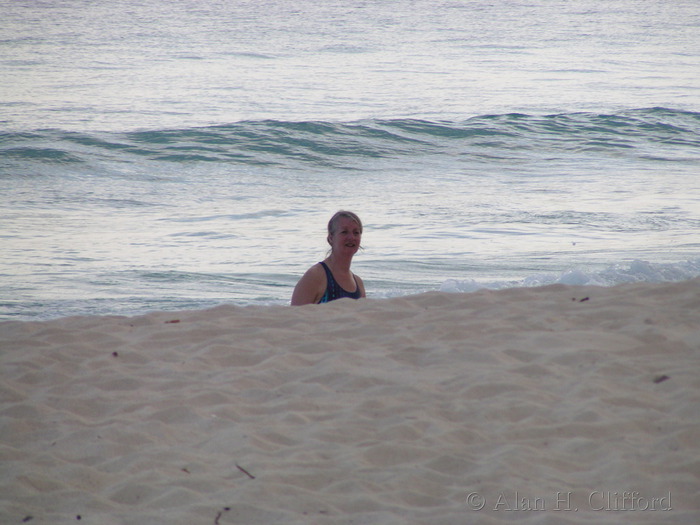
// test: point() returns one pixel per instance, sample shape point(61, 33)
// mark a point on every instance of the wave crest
point(653, 132)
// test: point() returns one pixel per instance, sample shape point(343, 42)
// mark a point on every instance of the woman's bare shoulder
point(311, 286)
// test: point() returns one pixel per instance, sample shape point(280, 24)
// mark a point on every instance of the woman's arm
point(361, 286)
point(310, 287)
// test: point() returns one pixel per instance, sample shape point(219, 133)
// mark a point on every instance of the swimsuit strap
point(334, 290)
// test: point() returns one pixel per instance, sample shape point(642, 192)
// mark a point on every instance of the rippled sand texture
point(491, 407)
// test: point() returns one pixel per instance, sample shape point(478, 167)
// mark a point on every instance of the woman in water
point(332, 278)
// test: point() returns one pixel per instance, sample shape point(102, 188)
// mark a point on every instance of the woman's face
point(346, 237)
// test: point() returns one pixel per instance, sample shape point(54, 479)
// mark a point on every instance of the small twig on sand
point(245, 472)
point(218, 516)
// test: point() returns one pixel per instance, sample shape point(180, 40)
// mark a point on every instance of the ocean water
point(176, 154)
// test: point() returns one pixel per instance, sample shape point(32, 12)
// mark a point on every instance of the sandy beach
point(560, 404)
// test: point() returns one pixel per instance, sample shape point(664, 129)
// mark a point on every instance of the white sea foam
point(634, 272)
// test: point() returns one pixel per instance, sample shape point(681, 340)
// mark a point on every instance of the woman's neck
point(339, 264)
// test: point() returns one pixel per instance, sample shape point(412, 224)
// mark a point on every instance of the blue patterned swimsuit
point(333, 289)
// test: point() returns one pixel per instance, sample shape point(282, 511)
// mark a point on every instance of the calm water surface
point(184, 154)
